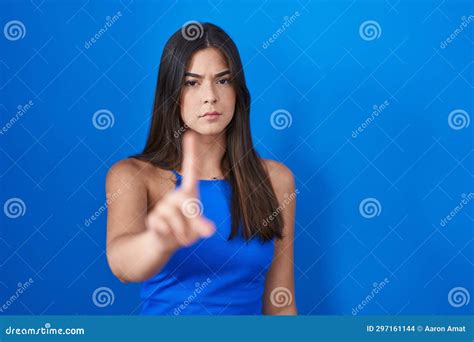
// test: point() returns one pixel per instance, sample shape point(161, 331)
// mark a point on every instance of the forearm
point(137, 257)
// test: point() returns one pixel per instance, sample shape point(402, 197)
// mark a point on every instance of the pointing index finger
point(189, 183)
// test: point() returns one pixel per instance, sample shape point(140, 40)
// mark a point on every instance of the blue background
point(322, 72)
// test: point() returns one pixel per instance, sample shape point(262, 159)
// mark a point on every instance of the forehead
point(209, 60)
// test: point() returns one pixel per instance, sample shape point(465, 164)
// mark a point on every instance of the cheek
point(187, 102)
point(188, 105)
point(228, 99)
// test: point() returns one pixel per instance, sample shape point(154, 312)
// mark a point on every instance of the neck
point(210, 150)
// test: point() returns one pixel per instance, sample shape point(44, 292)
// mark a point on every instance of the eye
point(190, 83)
point(224, 81)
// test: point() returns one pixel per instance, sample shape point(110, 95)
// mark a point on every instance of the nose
point(209, 94)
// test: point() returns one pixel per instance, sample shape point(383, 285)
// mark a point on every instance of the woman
point(200, 219)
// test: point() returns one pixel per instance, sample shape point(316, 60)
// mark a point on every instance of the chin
point(211, 130)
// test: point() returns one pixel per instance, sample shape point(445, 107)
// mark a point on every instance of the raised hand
point(177, 218)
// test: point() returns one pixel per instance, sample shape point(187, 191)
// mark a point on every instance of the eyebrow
point(219, 74)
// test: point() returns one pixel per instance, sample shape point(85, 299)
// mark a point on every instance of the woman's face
point(207, 89)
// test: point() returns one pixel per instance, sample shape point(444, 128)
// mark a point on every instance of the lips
point(210, 114)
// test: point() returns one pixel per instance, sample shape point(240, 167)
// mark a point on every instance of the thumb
point(205, 227)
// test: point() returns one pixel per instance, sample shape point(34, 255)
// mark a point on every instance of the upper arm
point(126, 199)
point(279, 295)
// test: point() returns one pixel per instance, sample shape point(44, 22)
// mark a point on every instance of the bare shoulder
point(133, 171)
point(139, 176)
point(281, 176)
point(126, 170)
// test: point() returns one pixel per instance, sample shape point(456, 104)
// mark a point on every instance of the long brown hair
point(253, 198)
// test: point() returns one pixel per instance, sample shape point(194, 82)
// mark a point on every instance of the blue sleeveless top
point(214, 276)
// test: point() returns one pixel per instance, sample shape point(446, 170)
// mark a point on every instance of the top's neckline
point(200, 180)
